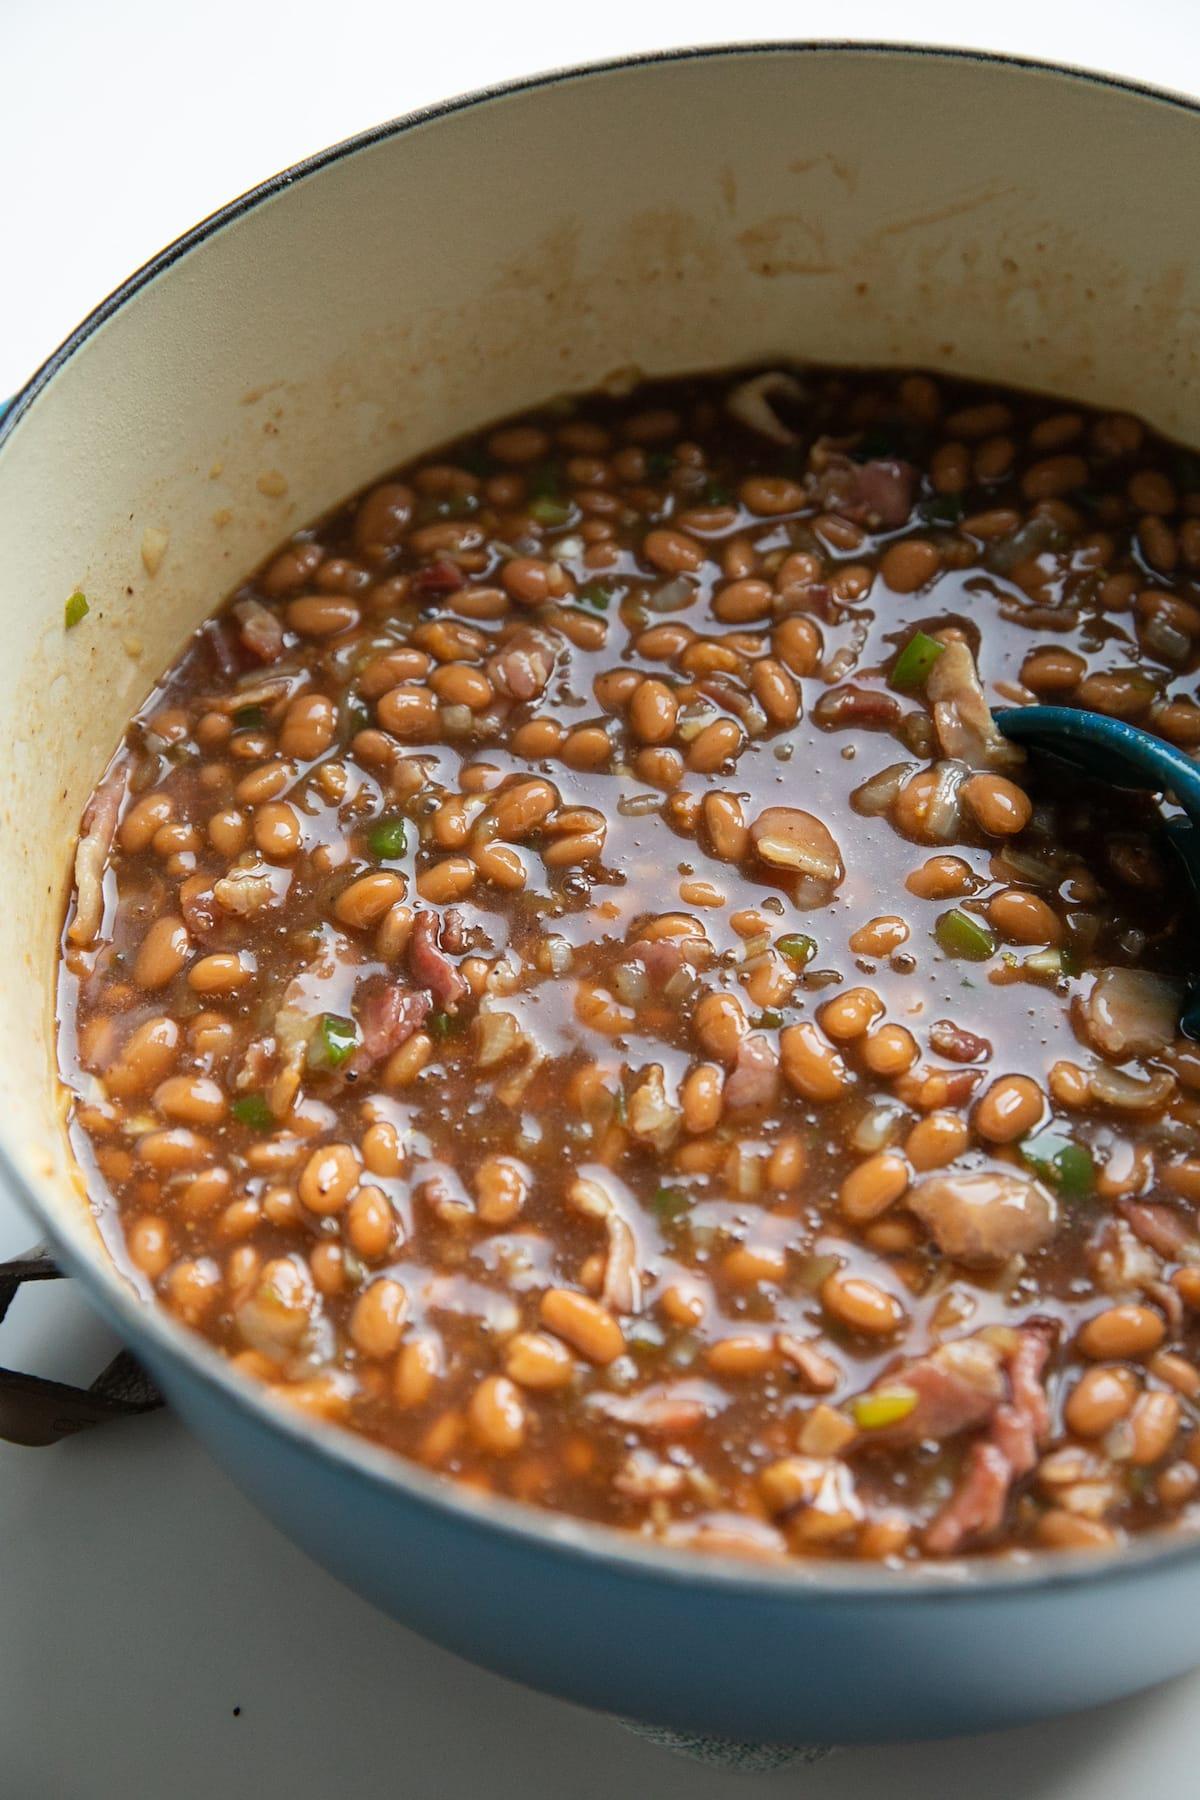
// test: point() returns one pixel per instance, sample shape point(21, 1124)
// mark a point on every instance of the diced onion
point(875, 796)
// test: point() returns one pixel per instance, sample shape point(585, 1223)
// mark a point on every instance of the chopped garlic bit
point(154, 548)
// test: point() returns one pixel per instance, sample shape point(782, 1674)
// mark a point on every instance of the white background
point(141, 1599)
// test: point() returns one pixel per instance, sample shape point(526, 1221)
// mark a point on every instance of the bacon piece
point(754, 1078)
point(260, 630)
point(957, 1044)
point(958, 1387)
point(1161, 1227)
point(1131, 1012)
point(430, 967)
point(388, 1014)
point(219, 639)
point(665, 1409)
point(1024, 1419)
point(99, 827)
point(985, 1216)
point(878, 494)
point(854, 706)
point(962, 718)
point(660, 957)
point(654, 1118)
point(198, 905)
point(437, 579)
point(977, 1503)
point(521, 668)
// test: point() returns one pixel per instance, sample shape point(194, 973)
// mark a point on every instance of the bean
point(811, 1065)
point(1150, 491)
point(519, 444)
point(588, 747)
point(771, 495)
point(1158, 543)
point(383, 516)
point(381, 1149)
point(537, 738)
point(450, 879)
point(950, 468)
point(1100, 1398)
point(191, 1289)
point(417, 1371)
point(1061, 1530)
point(740, 1356)
point(497, 1416)
point(532, 581)
point(909, 565)
point(370, 1224)
point(1153, 1424)
point(322, 615)
point(308, 727)
point(1000, 806)
point(394, 668)
point(749, 1264)
point(775, 692)
point(520, 808)
point(720, 1025)
point(741, 602)
point(404, 1065)
point(1010, 1109)
point(221, 973)
point(786, 1164)
point(192, 1099)
point(673, 551)
point(873, 1186)
point(797, 643)
point(1123, 1331)
point(328, 1179)
point(700, 1097)
point(1177, 1484)
point(291, 569)
point(1121, 696)
point(143, 819)
point(891, 1050)
point(652, 713)
point(849, 1014)
point(725, 824)
point(149, 1243)
point(936, 1140)
point(277, 831)
point(714, 747)
point(366, 900)
point(1053, 477)
point(879, 937)
point(378, 1318)
point(227, 832)
point(409, 713)
point(501, 1189)
point(145, 1057)
point(584, 1324)
point(534, 1359)
point(161, 953)
point(861, 1305)
point(941, 878)
point(1024, 918)
point(173, 1149)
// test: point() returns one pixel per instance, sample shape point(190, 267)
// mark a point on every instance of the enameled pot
point(838, 203)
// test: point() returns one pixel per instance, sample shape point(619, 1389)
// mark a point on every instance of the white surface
point(141, 1598)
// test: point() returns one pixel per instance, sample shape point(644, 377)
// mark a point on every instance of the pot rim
point(368, 1464)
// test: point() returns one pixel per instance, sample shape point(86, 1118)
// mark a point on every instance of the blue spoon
point(1109, 750)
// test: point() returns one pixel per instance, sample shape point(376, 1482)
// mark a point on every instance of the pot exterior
point(776, 1666)
point(815, 202)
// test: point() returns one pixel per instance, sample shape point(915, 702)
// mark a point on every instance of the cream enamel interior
point(823, 203)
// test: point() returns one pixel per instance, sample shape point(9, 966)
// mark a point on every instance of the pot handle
point(36, 1411)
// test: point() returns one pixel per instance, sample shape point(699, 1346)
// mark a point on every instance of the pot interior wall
point(873, 207)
